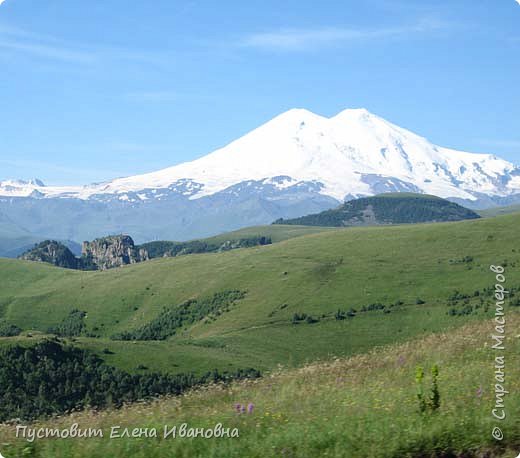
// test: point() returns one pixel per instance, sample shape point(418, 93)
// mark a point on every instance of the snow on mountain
point(354, 153)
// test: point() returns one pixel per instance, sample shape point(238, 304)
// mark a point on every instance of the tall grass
point(363, 406)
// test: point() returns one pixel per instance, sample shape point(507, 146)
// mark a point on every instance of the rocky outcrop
point(113, 251)
point(52, 252)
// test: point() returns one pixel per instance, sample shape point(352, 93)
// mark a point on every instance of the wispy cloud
point(48, 51)
point(19, 40)
point(305, 39)
point(28, 43)
point(2, 1)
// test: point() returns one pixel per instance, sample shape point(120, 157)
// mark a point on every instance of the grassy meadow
point(362, 406)
point(417, 267)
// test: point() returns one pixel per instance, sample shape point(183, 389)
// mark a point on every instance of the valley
point(396, 281)
point(363, 406)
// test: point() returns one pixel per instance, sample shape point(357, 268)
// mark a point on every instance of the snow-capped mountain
point(354, 153)
point(296, 164)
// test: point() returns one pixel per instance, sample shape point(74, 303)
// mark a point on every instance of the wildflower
point(250, 407)
point(238, 408)
point(479, 392)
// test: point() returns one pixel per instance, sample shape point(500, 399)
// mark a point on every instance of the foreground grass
point(363, 406)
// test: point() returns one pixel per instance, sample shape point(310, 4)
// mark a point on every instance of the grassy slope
point(361, 407)
point(315, 274)
point(497, 211)
point(277, 233)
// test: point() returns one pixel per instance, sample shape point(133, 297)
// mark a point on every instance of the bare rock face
point(113, 251)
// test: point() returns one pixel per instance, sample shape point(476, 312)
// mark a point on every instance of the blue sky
point(91, 90)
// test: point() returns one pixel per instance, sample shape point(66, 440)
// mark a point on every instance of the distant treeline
point(166, 248)
point(51, 378)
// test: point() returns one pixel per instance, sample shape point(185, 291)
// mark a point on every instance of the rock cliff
point(113, 251)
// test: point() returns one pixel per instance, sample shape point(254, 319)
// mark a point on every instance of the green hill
point(361, 407)
point(496, 211)
point(390, 208)
point(339, 292)
point(52, 252)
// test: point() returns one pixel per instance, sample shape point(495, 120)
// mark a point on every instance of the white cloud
point(518, 1)
point(304, 39)
point(2, 1)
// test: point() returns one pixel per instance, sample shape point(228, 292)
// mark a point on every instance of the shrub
point(340, 315)
point(433, 402)
point(9, 330)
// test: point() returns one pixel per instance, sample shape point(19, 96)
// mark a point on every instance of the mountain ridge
point(353, 153)
point(296, 164)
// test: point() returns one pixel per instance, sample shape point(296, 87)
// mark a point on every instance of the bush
point(310, 319)
point(340, 315)
point(9, 330)
point(298, 317)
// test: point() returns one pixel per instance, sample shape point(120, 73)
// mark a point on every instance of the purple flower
point(250, 407)
point(238, 408)
point(479, 392)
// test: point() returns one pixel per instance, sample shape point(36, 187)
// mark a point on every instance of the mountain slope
point(351, 154)
point(296, 164)
point(490, 212)
point(389, 208)
point(14, 239)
